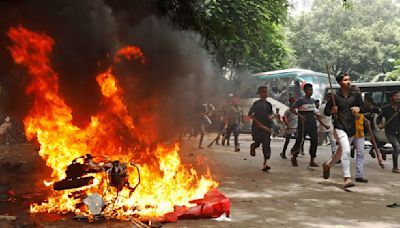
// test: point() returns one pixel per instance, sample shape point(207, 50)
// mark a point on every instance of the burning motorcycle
point(77, 171)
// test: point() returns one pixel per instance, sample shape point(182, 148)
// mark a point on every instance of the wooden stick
point(330, 85)
point(374, 145)
point(217, 137)
point(390, 119)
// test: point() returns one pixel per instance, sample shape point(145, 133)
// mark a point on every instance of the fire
point(165, 181)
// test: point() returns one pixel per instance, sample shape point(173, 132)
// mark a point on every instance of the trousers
point(359, 144)
point(323, 135)
point(395, 141)
point(302, 132)
point(342, 152)
point(235, 129)
point(266, 146)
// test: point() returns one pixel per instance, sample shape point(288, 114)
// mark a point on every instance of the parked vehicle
point(282, 85)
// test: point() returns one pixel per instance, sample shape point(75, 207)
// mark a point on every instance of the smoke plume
point(178, 73)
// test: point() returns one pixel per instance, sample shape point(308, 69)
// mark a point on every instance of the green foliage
point(347, 4)
point(359, 40)
point(240, 34)
point(395, 74)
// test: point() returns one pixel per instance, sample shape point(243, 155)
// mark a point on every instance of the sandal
point(266, 168)
point(348, 183)
point(394, 205)
point(253, 149)
point(293, 159)
point(325, 170)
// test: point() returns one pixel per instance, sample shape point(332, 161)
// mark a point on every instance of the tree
point(395, 74)
point(358, 39)
point(240, 34)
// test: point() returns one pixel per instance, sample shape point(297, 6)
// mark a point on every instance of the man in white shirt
point(324, 133)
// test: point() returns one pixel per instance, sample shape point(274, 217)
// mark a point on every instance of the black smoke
point(178, 71)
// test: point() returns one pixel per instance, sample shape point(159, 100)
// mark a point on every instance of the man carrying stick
point(261, 114)
point(392, 125)
point(347, 104)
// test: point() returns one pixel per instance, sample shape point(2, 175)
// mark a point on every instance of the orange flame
point(165, 181)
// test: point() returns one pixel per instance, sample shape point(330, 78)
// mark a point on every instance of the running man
point(307, 125)
point(290, 120)
point(347, 105)
point(261, 114)
point(324, 133)
point(392, 125)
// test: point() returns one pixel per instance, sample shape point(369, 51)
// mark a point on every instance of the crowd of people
point(343, 119)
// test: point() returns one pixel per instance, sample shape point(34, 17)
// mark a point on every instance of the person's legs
point(359, 147)
point(221, 128)
point(396, 152)
point(202, 133)
point(223, 136)
point(335, 157)
point(342, 153)
point(332, 141)
point(302, 146)
point(254, 145)
point(345, 158)
point(229, 131)
point(395, 141)
point(326, 166)
point(313, 133)
point(344, 147)
point(297, 146)
point(227, 138)
point(287, 140)
point(266, 147)
point(321, 138)
point(236, 129)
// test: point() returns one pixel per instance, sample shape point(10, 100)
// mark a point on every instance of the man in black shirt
point(347, 104)
point(371, 111)
point(261, 114)
point(392, 125)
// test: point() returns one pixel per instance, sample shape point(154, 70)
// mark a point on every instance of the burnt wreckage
point(76, 174)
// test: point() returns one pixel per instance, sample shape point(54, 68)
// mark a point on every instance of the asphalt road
point(297, 196)
point(284, 197)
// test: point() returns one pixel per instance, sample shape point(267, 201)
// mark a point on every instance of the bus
point(282, 84)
